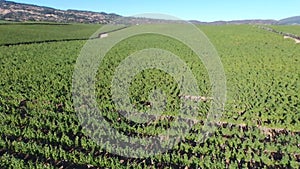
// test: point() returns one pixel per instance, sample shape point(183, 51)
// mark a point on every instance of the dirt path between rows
point(288, 37)
point(285, 35)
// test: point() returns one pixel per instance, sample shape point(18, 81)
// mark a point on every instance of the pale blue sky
point(203, 10)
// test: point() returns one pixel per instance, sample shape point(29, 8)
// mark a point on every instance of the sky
point(202, 10)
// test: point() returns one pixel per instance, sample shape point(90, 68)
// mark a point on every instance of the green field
point(31, 32)
point(3, 21)
point(293, 29)
point(260, 126)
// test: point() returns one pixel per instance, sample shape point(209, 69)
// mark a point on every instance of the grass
point(294, 29)
point(16, 33)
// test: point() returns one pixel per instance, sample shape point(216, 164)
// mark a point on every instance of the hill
point(238, 22)
point(290, 21)
point(12, 11)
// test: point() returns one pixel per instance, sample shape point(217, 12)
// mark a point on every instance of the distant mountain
point(25, 12)
point(290, 21)
point(238, 22)
point(12, 11)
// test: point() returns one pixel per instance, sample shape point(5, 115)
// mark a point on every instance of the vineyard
point(259, 128)
point(12, 33)
point(294, 29)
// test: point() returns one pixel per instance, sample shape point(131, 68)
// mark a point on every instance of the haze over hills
point(20, 12)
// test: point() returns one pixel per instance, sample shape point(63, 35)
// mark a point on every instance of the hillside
point(238, 22)
point(12, 11)
point(290, 21)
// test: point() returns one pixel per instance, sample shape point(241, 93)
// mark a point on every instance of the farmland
point(294, 29)
point(30, 32)
point(260, 126)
